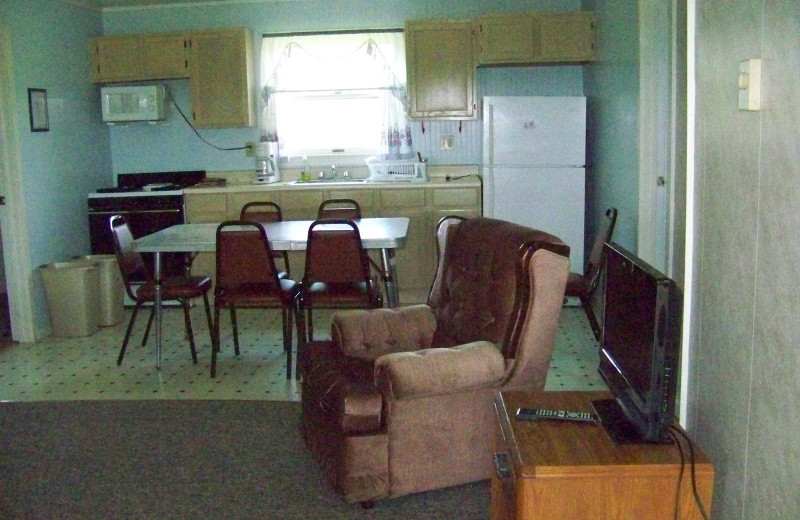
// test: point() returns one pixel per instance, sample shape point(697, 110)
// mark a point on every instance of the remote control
point(539, 414)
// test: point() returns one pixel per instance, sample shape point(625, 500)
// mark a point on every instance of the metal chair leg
point(215, 343)
point(235, 330)
point(128, 333)
point(286, 320)
point(149, 324)
point(188, 321)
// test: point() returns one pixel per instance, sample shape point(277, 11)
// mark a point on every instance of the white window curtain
point(349, 65)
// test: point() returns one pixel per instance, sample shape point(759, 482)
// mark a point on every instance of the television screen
point(639, 347)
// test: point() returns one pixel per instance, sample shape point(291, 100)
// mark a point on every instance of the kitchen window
point(335, 94)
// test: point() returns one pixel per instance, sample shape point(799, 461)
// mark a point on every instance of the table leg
point(389, 268)
point(157, 305)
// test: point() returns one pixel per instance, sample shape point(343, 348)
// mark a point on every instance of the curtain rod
point(317, 33)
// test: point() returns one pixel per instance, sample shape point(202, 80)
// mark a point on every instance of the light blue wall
point(612, 90)
point(174, 146)
point(59, 167)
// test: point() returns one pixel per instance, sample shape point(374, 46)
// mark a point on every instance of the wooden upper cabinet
point(115, 58)
point(441, 69)
point(506, 39)
point(138, 57)
point(536, 37)
point(165, 56)
point(566, 37)
point(221, 78)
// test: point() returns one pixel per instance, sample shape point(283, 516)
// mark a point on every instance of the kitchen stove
point(149, 202)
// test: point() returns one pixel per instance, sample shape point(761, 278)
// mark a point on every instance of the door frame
point(16, 249)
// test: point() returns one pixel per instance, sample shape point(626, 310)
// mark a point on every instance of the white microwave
point(133, 103)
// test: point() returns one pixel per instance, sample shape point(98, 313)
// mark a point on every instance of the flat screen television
point(639, 348)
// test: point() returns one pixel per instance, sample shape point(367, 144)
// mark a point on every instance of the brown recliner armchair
point(400, 401)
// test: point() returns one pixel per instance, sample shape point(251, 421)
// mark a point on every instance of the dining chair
point(339, 208)
point(267, 211)
point(348, 209)
point(583, 285)
point(246, 277)
point(336, 274)
point(180, 288)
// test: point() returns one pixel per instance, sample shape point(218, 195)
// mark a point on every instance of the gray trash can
point(71, 289)
point(111, 288)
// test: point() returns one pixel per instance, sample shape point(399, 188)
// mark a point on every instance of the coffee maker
point(266, 156)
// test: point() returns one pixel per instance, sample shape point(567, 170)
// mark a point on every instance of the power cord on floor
point(673, 431)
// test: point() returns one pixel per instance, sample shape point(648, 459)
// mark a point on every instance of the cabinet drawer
point(458, 197)
point(403, 198)
point(365, 198)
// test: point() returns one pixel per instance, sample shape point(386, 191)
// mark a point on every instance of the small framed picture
point(37, 107)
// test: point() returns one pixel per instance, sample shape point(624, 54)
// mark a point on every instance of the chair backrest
point(131, 263)
point(340, 209)
point(604, 233)
point(261, 211)
point(474, 293)
point(243, 256)
point(335, 254)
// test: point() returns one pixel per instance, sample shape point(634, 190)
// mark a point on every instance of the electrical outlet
point(445, 142)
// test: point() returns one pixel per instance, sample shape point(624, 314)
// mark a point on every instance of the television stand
point(617, 426)
point(558, 470)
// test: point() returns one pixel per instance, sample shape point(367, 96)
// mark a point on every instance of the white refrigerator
point(534, 153)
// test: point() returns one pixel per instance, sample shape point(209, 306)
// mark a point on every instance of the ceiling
point(110, 4)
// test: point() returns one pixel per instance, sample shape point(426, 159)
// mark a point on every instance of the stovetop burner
point(155, 182)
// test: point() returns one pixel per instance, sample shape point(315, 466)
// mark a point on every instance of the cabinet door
point(566, 37)
point(414, 270)
point(115, 58)
point(221, 78)
point(205, 207)
point(441, 69)
point(506, 39)
point(165, 56)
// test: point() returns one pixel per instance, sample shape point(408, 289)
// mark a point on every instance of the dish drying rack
point(408, 170)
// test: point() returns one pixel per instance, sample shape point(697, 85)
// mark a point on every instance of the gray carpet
point(182, 460)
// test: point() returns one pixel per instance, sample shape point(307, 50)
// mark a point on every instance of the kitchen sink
point(330, 181)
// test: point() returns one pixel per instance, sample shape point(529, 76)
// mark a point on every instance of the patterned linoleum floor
point(85, 368)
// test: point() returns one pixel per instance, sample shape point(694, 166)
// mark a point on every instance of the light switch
point(750, 85)
point(446, 142)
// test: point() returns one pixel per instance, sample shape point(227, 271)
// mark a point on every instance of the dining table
point(380, 233)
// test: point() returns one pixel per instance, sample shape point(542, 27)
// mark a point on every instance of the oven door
point(143, 220)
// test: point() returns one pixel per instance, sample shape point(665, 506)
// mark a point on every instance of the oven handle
point(134, 212)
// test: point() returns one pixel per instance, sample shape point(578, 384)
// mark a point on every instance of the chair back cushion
point(261, 211)
point(131, 263)
point(475, 287)
point(334, 254)
point(339, 208)
point(244, 256)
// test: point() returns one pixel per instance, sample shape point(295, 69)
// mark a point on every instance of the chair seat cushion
point(577, 285)
point(437, 371)
point(177, 287)
point(341, 387)
point(340, 294)
point(258, 294)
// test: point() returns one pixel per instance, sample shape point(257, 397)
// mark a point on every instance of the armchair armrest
point(439, 370)
point(369, 334)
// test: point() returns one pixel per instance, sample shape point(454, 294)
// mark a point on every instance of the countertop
point(242, 181)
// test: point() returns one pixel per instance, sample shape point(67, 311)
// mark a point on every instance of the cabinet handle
point(502, 465)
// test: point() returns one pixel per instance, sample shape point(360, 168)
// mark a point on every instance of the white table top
point(289, 235)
